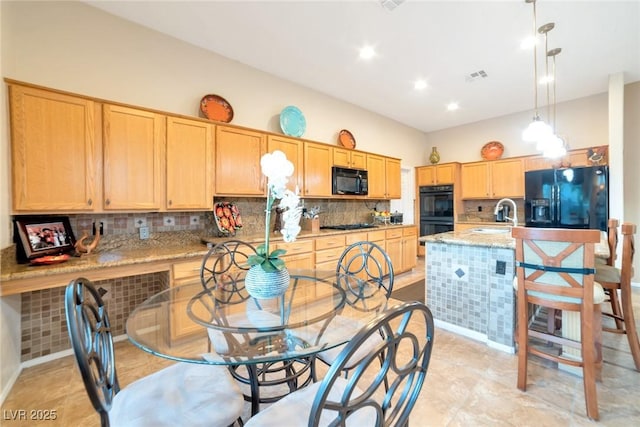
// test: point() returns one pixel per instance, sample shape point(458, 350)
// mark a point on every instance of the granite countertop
point(497, 240)
point(120, 251)
point(470, 238)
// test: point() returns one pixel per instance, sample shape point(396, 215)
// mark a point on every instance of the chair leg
point(630, 325)
point(589, 360)
point(615, 308)
point(523, 350)
point(597, 335)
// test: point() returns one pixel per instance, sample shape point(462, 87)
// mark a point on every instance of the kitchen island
point(469, 283)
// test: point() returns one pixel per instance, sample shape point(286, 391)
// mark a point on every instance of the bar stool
point(615, 280)
point(555, 270)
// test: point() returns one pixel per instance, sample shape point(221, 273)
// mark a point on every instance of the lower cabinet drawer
point(328, 255)
point(182, 270)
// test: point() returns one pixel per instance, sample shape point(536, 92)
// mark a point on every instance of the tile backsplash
point(43, 322)
point(43, 319)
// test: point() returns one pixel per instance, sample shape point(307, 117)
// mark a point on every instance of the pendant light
point(546, 139)
point(556, 146)
point(537, 128)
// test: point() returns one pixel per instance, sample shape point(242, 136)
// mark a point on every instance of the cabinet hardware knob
point(90, 202)
point(170, 202)
point(107, 202)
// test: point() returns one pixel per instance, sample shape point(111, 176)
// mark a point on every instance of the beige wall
point(582, 122)
point(631, 160)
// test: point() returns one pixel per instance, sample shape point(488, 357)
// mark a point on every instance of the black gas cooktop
point(349, 226)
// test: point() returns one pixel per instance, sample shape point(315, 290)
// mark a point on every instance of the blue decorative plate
point(292, 121)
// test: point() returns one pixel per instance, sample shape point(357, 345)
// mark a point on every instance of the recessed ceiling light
point(452, 106)
point(367, 52)
point(420, 84)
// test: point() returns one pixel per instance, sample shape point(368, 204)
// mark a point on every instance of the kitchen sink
point(493, 230)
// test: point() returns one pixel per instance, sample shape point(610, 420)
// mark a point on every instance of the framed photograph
point(41, 236)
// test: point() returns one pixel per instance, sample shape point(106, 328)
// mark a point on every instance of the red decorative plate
point(216, 108)
point(227, 218)
point(346, 139)
point(492, 150)
point(50, 259)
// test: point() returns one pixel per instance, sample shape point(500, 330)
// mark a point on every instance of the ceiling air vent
point(390, 4)
point(476, 76)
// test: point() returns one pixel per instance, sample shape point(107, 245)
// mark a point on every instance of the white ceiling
point(316, 43)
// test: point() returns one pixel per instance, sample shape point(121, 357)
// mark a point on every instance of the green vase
point(435, 156)
point(263, 285)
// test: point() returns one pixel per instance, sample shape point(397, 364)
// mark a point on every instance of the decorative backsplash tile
point(43, 318)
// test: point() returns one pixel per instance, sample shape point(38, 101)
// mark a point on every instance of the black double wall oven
point(436, 209)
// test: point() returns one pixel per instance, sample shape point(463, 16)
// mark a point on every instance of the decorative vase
point(262, 284)
point(435, 156)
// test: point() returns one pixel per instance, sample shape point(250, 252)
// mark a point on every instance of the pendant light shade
point(536, 130)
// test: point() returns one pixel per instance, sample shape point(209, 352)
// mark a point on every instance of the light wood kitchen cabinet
point(493, 179)
point(190, 163)
point(439, 174)
point(349, 159)
point(328, 250)
point(299, 254)
point(184, 273)
point(376, 174)
point(384, 177)
point(574, 158)
point(402, 247)
point(133, 158)
point(393, 187)
point(238, 154)
point(294, 150)
point(54, 151)
point(317, 169)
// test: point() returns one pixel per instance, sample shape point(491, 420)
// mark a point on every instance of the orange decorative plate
point(216, 108)
point(492, 150)
point(346, 139)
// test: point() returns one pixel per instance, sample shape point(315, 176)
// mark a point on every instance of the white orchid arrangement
point(278, 169)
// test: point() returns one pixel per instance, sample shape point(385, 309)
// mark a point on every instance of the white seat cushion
point(607, 274)
point(294, 409)
point(184, 394)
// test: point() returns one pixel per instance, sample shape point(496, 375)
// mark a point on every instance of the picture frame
point(38, 236)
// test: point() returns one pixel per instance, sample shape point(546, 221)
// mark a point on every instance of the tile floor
point(468, 384)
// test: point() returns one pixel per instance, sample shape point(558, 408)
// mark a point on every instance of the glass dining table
point(264, 342)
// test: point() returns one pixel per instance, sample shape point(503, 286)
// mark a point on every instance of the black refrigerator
point(567, 198)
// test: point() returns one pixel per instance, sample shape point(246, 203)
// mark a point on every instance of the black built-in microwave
point(349, 181)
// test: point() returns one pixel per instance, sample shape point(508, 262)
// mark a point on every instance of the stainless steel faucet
point(515, 211)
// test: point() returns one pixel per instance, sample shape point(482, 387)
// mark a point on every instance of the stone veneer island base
point(469, 285)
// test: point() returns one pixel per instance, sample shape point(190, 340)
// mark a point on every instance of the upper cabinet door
point(507, 178)
point(238, 153)
point(53, 151)
point(393, 177)
point(190, 163)
point(377, 179)
point(349, 159)
point(475, 180)
point(317, 169)
point(134, 144)
point(294, 150)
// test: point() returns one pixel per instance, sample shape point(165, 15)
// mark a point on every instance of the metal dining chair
point(361, 265)
point(182, 394)
point(222, 274)
point(361, 400)
point(555, 270)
